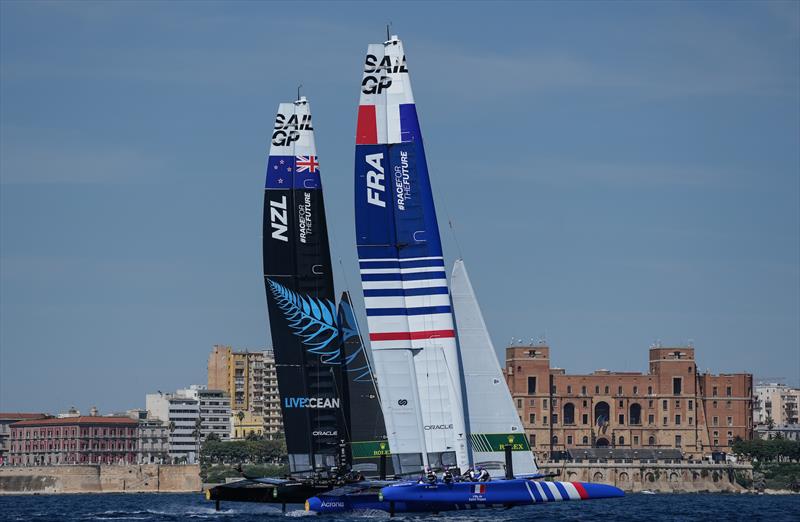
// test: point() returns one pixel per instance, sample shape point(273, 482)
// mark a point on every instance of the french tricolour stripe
point(406, 300)
point(401, 122)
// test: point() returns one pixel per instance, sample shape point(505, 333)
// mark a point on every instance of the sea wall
point(99, 479)
point(661, 477)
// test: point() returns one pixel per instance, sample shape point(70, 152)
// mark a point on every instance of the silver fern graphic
point(312, 319)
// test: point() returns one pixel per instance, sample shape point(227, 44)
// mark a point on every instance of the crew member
point(430, 476)
point(475, 474)
point(484, 476)
point(447, 476)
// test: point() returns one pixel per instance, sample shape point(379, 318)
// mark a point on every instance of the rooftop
point(83, 419)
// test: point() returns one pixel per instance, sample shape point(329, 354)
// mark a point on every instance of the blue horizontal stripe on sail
point(416, 263)
point(419, 276)
point(407, 292)
point(379, 264)
point(418, 310)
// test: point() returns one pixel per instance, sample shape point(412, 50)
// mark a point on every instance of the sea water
point(179, 507)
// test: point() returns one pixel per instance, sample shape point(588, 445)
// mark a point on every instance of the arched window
point(555, 439)
point(569, 413)
point(621, 441)
point(635, 416)
point(651, 441)
point(585, 439)
point(602, 413)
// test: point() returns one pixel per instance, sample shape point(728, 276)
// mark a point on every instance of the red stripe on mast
point(411, 336)
point(367, 129)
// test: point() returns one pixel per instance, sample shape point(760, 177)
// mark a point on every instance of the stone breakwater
point(660, 477)
point(143, 478)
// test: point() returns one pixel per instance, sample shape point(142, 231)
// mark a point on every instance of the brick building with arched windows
point(671, 407)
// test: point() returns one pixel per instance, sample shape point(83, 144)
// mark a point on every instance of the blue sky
point(617, 173)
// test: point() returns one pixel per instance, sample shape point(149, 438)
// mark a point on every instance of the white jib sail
point(493, 419)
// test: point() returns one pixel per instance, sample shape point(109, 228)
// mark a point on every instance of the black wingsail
point(300, 296)
point(367, 428)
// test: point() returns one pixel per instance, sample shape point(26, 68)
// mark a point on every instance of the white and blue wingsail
point(493, 419)
point(409, 314)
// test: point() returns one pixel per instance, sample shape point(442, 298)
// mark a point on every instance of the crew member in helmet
point(430, 476)
point(475, 474)
point(484, 476)
point(447, 477)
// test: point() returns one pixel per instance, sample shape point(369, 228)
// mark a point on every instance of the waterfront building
point(6, 420)
point(74, 440)
point(786, 431)
point(152, 442)
point(251, 381)
point(215, 410)
point(671, 406)
point(776, 404)
point(181, 415)
point(244, 423)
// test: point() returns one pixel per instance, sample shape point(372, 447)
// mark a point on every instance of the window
point(691, 419)
point(664, 404)
point(651, 419)
point(532, 418)
point(636, 390)
point(553, 389)
point(585, 403)
point(544, 403)
point(651, 441)
point(621, 404)
point(569, 413)
point(597, 390)
point(605, 390)
point(569, 389)
point(635, 415)
point(728, 391)
point(585, 418)
point(531, 385)
point(583, 390)
point(635, 440)
point(730, 421)
point(544, 420)
point(678, 403)
point(619, 390)
point(621, 441)
point(713, 404)
point(678, 420)
point(622, 418)
point(715, 421)
point(691, 405)
point(728, 404)
point(714, 391)
point(676, 385)
point(649, 390)
point(569, 440)
point(519, 403)
point(555, 439)
point(665, 420)
point(585, 439)
point(650, 403)
point(532, 403)
point(555, 418)
point(678, 441)
point(716, 442)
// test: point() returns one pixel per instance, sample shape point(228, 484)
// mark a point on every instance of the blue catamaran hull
point(414, 497)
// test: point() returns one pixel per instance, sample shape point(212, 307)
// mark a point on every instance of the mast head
point(301, 100)
point(393, 40)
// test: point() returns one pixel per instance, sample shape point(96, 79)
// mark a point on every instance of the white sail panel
point(493, 419)
point(402, 267)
